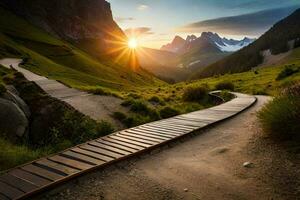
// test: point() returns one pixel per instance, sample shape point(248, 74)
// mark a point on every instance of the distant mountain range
point(282, 37)
point(182, 57)
point(211, 41)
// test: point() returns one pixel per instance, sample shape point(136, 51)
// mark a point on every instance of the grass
point(62, 126)
point(225, 85)
point(12, 155)
point(280, 117)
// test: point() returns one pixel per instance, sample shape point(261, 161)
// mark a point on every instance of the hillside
point(164, 64)
point(278, 39)
point(51, 55)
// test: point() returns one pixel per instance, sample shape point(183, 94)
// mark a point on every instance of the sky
point(157, 22)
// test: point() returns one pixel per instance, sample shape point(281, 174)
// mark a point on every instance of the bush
point(226, 96)
point(225, 85)
point(195, 94)
point(286, 72)
point(2, 89)
point(134, 96)
point(154, 99)
point(127, 102)
point(119, 116)
point(281, 117)
point(167, 112)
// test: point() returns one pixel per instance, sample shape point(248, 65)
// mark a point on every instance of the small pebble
point(248, 164)
point(186, 190)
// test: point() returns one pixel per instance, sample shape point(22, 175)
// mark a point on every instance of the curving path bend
point(95, 106)
point(26, 180)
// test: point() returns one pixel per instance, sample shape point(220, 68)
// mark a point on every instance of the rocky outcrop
point(78, 21)
point(15, 113)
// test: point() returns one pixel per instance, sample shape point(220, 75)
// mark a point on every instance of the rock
point(186, 190)
point(10, 96)
point(248, 164)
point(14, 123)
point(12, 89)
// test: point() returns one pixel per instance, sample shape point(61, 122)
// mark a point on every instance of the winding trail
point(207, 166)
point(96, 106)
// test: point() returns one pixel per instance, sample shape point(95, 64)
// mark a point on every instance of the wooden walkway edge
point(26, 180)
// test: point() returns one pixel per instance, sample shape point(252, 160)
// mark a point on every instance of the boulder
point(12, 96)
point(14, 122)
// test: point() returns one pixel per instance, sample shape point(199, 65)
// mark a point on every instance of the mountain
point(164, 64)
point(283, 36)
point(211, 41)
point(175, 45)
point(76, 53)
point(88, 24)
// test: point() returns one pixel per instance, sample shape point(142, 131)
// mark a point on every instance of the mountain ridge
point(277, 39)
point(209, 39)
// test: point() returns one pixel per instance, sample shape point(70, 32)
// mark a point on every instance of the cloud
point(142, 7)
point(139, 31)
point(248, 24)
point(124, 19)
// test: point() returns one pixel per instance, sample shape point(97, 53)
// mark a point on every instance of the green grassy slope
point(259, 80)
point(62, 61)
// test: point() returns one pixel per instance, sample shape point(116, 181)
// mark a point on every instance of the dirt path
point(96, 106)
point(207, 166)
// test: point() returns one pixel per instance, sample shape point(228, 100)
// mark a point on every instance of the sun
point(132, 43)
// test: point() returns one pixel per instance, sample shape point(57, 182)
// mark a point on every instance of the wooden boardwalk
point(26, 180)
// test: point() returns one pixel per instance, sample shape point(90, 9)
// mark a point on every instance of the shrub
point(225, 85)
point(154, 99)
point(139, 107)
point(167, 112)
point(134, 96)
point(280, 117)
point(226, 96)
point(2, 89)
point(127, 102)
point(286, 72)
point(119, 116)
point(8, 79)
point(195, 94)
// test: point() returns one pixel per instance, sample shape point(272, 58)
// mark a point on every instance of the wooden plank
point(157, 131)
point(42, 172)
point(179, 126)
point(126, 144)
point(18, 183)
point(129, 141)
point(92, 154)
point(110, 148)
point(10, 191)
point(162, 130)
point(137, 139)
point(69, 162)
point(36, 180)
point(100, 151)
point(141, 137)
point(168, 128)
point(53, 165)
point(187, 122)
point(83, 158)
point(150, 135)
point(122, 147)
point(154, 134)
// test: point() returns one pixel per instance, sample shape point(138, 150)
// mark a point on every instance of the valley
point(81, 84)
